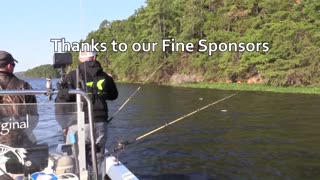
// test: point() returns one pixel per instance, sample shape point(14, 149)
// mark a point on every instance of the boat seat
point(36, 160)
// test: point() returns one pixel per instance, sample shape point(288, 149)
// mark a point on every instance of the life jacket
point(16, 109)
point(91, 80)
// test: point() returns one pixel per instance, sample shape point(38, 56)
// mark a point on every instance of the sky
point(28, 26)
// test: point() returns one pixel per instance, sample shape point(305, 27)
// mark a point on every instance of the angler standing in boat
point(100, 86)
point(17, 121)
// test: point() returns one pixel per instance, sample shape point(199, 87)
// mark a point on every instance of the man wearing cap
point(100, 87)
point(8, 81)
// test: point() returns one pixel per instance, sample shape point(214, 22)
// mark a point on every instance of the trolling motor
point(62, 60)
point(64, 163)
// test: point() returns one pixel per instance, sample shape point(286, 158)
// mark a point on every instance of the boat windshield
point(33, 143)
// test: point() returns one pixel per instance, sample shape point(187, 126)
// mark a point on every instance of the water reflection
point(254, 135)
point(260, 135)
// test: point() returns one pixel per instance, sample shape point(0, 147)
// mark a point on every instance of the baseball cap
point(87, 52)
point(6, 58)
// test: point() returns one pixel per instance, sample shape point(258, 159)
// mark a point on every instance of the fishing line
point(121, 145)
point(121, 107)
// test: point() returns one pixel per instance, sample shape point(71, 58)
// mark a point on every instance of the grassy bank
point(252, 87)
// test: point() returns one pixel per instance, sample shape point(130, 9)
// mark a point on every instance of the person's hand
point(65, 131)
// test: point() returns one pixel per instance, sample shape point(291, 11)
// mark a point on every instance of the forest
point(290, 28)
point(43, 71)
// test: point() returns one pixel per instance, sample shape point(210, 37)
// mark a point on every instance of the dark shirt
point(99, 86)
point(9, 81)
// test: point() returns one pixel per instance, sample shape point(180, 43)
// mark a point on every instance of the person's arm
point(110, 90)
point(29, 98)
point(32, 107)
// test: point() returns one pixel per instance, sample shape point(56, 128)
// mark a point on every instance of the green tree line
point(46, 71)
point(292, 29)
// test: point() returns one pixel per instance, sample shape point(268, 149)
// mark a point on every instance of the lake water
point(253, 135)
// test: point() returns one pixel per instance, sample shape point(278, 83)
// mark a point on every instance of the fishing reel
point(120, 147)
point(49, 88)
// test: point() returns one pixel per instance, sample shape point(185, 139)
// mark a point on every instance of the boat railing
point(82, 166)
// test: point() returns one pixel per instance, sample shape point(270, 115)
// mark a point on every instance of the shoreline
point(251, 87)
point(315, 90)
point(242, 87)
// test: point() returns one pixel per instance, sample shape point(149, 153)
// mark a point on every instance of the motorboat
point(32, 144)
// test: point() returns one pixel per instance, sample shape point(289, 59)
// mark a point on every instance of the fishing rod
point(121, 145)
point(146, 80)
